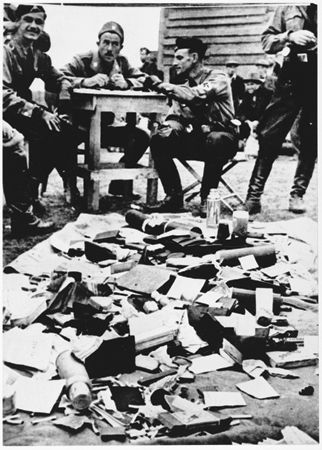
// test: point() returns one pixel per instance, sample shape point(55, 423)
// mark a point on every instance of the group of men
point(199, 125)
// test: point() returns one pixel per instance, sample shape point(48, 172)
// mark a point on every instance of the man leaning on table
point(198, 125)
point(106, 68)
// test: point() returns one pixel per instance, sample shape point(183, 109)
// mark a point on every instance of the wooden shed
point(229, 30)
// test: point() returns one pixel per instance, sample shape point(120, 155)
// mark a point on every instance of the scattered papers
point(24, 348)
point(188, 337)
point(209, 363)
point(248, 262)
point(223, 399)
point(211, 297)
point(254, 368)
point(185, 288)
point(36, 395)
point(258, 388)
point(296, 358)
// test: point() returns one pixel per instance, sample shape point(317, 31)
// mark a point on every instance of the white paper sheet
point(37, 396)
point(223, 399)
point(209, 363)
point(258, 388)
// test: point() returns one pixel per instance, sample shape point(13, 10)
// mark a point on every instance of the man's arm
point(215, 87)
point(285, 28)
point(74, 72)
point(11, 100)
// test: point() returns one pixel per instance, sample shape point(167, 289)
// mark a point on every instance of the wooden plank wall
point(230, 30)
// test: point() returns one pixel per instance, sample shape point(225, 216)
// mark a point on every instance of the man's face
point(109, 46)
point(231, 70)
point(251, 87)
point(31, 25)
point(143, 55)
point(184, 61)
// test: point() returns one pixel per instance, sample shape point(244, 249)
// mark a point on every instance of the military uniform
point(134, 140)
point(47, 149)
point(296, 90)
point(200, 121)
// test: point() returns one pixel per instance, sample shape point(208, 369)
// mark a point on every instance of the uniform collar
point(97, 65)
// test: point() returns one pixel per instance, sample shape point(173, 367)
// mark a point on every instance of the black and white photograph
point(160, 223)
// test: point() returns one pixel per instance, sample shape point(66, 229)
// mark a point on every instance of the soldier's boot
point(256, 186)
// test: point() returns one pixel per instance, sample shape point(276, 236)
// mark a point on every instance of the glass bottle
point(213, 209)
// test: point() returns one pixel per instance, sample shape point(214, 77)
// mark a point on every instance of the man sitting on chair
point(198, 125)
point(106, 68)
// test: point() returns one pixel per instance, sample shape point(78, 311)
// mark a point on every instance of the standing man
point(50, 142)
point(106, 68)
point(294, 31)
point(198, 125)
point(236, 81)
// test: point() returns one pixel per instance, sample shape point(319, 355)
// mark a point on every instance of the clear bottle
point(213, 209)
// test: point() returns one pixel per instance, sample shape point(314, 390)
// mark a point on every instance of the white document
point(248, 262)
point(37, 396)
point(258, 388)
point(185, 288)
point(223, 399)
point(25, 348)
point(209, 363)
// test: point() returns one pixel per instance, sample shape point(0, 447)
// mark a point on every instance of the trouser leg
point(273, 128)
point(16, 179)
point(163, 152)
point(306, 158)
point(219, 148)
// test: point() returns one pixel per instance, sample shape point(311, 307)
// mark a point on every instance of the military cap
point(194, 44)
point(253, 77)
point(27, 9)
point(263, 62)
point(112, 27)
point(232, 63)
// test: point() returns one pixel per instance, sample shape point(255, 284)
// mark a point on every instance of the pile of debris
point(161, 301)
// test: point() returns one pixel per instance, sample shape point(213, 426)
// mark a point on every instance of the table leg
point(92, 193)
point(92, 184)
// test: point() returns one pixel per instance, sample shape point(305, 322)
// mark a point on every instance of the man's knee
point(221, 145)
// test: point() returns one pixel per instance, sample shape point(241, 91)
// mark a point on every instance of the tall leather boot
point(256, 185)
point(39, 208)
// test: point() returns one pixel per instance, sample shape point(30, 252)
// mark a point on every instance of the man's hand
point(119, 81)
point(303, 38)
point(98, 80)
point(52, 120)
point(165, 88)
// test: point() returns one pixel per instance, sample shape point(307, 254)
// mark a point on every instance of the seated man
point(106, 68)
point(253, 105)
point(51, 142)
point(198, 125)
point(17, 185)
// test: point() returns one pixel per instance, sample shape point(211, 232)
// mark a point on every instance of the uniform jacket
point(86, 65)
point(287, 19)
point(253, 105)
point(205, 99)
point(19, 71)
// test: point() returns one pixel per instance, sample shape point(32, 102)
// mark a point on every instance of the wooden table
point(96, 101)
